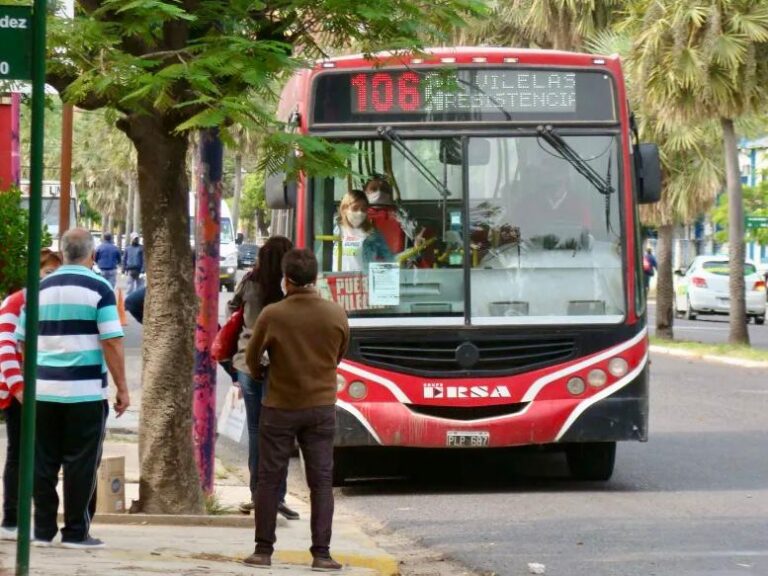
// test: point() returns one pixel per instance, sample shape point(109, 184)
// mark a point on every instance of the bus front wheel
point(591, 460)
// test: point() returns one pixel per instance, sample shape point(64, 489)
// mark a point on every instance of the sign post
point(22, 57)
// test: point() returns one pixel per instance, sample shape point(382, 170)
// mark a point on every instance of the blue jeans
point(110, 276)
point(253, 391)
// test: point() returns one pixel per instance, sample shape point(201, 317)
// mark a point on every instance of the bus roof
point(468, 55)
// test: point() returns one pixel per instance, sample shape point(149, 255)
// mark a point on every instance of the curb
point(741, 363)
point(222, 521)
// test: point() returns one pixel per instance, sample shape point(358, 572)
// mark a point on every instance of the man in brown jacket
point(306, 338)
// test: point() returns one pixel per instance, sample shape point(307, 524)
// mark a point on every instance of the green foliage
point(755, 204)
point(13, 239)
point(253, 203)
point(203, 63)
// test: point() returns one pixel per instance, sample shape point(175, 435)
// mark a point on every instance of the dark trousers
point(68, 435)
point(314, 428)
point(253, 391)
point(11, 472)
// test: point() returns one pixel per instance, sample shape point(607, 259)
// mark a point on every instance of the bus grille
point(466, 414)
point(463, 355)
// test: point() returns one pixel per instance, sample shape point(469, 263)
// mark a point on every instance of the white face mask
point(356, 218)
point(374, 197)
point(284, 287)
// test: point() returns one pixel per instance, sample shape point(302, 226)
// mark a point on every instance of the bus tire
point(340, 467)
point(591, 460)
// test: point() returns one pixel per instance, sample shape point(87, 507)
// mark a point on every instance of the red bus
point(508, 309)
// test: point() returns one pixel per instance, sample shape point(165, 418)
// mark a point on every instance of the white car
point(703, 289)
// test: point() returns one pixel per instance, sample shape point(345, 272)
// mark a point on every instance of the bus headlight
point(618, 367)
point(597, 378)
point(576, 386)
point(341, 383)
point(357, 390)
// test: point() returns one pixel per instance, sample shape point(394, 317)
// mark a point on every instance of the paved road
point(693, 501)
point(709, 329)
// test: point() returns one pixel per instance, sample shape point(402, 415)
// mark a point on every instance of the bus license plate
point(467, 439)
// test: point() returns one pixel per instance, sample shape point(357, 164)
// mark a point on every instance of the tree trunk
point(665, 313)
point(261, 222)
point(238, 186)
point(129, 226)
point(238, 182)
point(736, 248)
point(168, 483)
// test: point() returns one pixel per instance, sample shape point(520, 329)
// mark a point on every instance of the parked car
point(703, 289)
point(246, 255)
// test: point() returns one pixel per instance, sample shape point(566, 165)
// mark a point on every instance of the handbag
point(225, 344)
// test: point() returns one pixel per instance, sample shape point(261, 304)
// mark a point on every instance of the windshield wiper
point(567, 153)
point(393, 138)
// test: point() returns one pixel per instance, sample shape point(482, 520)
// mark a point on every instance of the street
point(709, 329)
point(692, 501)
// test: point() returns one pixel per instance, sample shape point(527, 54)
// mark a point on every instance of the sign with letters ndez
point(15, 42)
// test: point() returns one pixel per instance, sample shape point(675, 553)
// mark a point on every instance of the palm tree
point(706, 59)
point(555, 24)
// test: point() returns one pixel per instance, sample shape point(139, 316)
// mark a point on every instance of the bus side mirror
point(648, 173)
point(280, 193)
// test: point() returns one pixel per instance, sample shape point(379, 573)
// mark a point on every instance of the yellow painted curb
point(383, 564)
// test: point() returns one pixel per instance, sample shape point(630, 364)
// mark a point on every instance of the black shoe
point(89, 543)
point(286, 512)
point(325, 564)
point(259, 560)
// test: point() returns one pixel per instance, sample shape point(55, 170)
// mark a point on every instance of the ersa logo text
point(436, 390)
point(7, 22)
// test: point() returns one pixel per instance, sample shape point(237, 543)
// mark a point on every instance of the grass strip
point(723, 350)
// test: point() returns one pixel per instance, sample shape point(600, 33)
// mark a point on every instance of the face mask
point(374, 197)
point(356, 218)
point(284, 287)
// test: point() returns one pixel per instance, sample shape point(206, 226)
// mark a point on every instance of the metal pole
point(208, 225)
point(66, 167)
point(27, 457)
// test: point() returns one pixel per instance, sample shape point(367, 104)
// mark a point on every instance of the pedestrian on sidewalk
point(12, 394)
point(259, 288)
point(649, 267)
point(80, 334)
point(133, 263)
point(108, 259)
point(306, 337)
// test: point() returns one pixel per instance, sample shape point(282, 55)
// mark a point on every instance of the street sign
point(756, 222)
point(15, 42)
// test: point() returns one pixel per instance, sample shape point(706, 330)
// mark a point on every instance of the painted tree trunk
point(738, 333)
point(665, 313)
point(168, 482)
point(208, 226)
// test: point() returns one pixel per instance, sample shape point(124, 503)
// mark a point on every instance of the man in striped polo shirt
point(80, 336)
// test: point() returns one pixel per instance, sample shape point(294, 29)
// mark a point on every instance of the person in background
point(649, 267)
point(259, 288)
point(378, 191)
point(133, 263)
point(80, 339)
point(306, 337)
point(360, 242)
point(108, 259)
point(12, 393)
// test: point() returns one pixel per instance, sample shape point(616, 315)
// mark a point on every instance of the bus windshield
point(514, 233)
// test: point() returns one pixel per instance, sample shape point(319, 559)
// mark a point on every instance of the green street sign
point(15, 42)
point(756, 222)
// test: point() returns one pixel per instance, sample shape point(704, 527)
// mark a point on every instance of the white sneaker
point(88, 544)
point(42, 543)
point(8, 533)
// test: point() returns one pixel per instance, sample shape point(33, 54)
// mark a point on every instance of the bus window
point(426, 277)
point(545, 241)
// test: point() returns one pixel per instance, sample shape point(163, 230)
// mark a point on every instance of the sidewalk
point(184, 545)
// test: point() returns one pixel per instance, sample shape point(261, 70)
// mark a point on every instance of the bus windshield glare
point(512, 232)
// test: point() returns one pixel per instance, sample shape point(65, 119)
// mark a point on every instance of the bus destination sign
point(488, 91)
point(479, 95)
